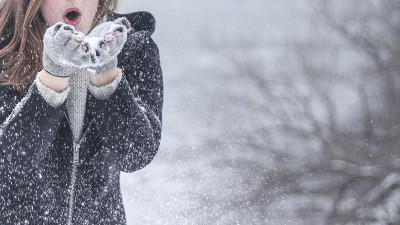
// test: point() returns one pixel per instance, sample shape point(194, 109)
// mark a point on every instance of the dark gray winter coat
point(121, 133)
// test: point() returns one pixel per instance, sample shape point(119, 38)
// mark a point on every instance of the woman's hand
point(64, 50)
point(106, 42)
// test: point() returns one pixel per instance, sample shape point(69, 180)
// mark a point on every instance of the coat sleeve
point(28, 127)
point(129, 121)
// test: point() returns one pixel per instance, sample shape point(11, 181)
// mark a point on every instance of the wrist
point(105, 78)
point(56, 83)
point(56, 69)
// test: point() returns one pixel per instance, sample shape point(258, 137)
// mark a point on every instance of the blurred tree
point(316, 139)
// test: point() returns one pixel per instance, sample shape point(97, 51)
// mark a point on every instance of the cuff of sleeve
point(105, 91)
point(52, 97)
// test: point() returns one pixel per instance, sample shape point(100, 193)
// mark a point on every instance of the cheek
point(92, 7)
point(49, 14)
point(89, 15)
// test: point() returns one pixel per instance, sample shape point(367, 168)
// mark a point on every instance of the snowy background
point(264, 115)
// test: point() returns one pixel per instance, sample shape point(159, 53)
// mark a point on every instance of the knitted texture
point(106, 42)
point(52, 97)
point(63, 50)
point(76, 101)
point(107, 67)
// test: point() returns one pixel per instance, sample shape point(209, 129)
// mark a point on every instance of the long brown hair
point(21, 39)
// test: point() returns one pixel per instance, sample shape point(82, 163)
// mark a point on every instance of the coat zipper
point(75, 162)
point(73, 180)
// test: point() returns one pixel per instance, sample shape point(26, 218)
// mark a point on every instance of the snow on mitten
point(106, 42)
point(64, 50)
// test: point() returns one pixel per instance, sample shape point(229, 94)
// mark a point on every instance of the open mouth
point(72, 16)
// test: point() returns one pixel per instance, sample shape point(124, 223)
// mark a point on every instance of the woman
point(80, 101)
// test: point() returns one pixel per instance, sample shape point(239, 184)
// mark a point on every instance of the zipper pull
point(76, 152)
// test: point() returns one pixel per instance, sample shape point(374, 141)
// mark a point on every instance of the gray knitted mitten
point(106, 42)
point(64, 50)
